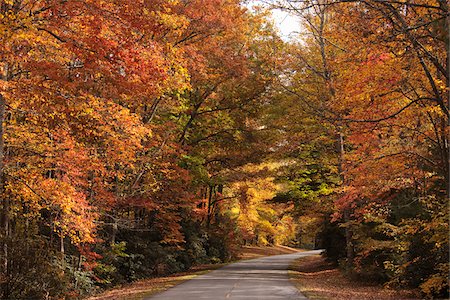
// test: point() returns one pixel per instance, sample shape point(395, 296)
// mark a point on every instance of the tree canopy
point(139, 138)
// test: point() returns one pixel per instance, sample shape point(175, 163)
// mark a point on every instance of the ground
point(318, 279)
point(140, 289)
point(144, 288)
point(249, 252)
point(313, 276)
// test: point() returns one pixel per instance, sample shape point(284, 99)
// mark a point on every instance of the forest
point(140, 138)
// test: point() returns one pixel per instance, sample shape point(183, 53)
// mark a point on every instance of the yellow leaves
point(441, 84)
point(177, 23)
point(88, 111)
point(70, 214)
point(16, 24)
point(435, 284)
point(429, 48)
point(255, 216)
point(434, 110)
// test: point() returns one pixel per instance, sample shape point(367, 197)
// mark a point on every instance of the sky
point(286, 23)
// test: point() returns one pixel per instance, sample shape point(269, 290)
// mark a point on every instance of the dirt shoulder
point(318, 279)
point(148, 287)
point(249, 252)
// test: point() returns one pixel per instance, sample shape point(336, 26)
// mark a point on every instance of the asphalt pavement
point(262, 278)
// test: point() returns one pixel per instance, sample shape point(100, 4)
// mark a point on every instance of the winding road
point(262, 278)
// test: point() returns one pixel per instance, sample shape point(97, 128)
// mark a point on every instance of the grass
point(145, 288)
point(318, 279)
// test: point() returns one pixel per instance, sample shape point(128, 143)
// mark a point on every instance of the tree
point(386, 65)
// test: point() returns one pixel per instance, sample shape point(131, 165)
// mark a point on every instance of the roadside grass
point(318, 279)
point(148, 287)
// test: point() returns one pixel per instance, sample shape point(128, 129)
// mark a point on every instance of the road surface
point(262, 278)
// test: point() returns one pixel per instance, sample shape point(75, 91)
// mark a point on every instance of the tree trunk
point(114, 229)
point(208, 216)
point(188, 125)
point(446, 133)
point(348, 232)
point(62, 250)
point(6, 204)
point(151, 114)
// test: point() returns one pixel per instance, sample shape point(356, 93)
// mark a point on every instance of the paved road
point(262, 278)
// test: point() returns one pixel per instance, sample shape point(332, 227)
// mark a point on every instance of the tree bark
point(5, 206)
point(210, 202)
point(348, 232)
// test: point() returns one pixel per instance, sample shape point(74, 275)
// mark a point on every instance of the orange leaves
point(382, 91)
point(96, 93)
point(71, 214)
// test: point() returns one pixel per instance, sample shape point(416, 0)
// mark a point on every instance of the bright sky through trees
point(286, 23)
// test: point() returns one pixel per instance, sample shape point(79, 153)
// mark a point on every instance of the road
point(262, 278)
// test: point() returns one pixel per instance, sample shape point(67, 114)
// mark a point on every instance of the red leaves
point(97, 92)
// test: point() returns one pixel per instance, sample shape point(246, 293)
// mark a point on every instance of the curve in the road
point(262, 278)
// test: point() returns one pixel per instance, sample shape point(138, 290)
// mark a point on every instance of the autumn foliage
point(139, 138)
point(371, 79)
point(118, 118)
